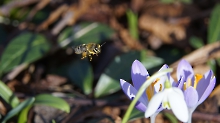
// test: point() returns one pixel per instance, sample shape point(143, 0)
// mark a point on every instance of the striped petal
point(131, 92)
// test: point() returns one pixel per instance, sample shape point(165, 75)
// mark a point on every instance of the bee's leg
point(90, 57)
point(84, 55)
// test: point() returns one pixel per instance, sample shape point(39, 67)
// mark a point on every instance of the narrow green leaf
point(49, 100)
point(53, 121)
point(170, 117)
point(17, 109)
point(25, 48)
point(167, 1)
point(23, 116)
point(82, 33)
point(135, 114)
point(173, 1)
point(218, 61)
point(186, 1)
point(150, 61)
point(196, 42)
point(8, 95)
point(120, 68)
point(212, 64)
point(132, 23)
point(214, 25)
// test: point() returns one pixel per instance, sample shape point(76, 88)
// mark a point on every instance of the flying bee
point(88, 50)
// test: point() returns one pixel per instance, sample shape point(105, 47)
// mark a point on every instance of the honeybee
point(88, 50)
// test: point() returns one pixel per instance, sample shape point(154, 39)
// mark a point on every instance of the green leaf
point(8, 95)
point(79, 72)
point(53, 121)
point(214, 25)
point(218, 61)
point(196, 42)
point(25, 48)
point(82, 33)
point(49, 100)
point(150, 61)
point(23, 116)
point(120, 68)
point(173, 1)
point(132, 23)
point(17, 109)
point(170, 117)
point(136, 114)
point(167, 1)
point(186, 1)
point(212, 64)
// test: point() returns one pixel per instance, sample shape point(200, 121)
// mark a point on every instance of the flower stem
point(141, 90)
point(190, 115)
point(153, 117)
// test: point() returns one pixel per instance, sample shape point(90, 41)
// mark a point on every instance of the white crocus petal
point(154, 104)
point(178, 105)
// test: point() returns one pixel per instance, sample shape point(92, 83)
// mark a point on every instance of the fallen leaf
point(161, 29)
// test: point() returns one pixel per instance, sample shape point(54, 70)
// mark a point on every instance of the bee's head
point(78, 50)
point(98, 49)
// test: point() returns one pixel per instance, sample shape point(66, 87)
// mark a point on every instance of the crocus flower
point(171, 98)
point(139, 75)
point(196, 87)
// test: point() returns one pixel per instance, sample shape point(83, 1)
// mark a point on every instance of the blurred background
point(44, 81)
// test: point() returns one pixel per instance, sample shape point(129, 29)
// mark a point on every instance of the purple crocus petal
point(191, 97)
point(138, 74)
point(180, 83)
point(204, 83)
point(131, 92)
point(207, 91)
point(184, 69)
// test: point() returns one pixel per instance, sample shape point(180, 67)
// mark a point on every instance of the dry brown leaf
point(120, 10)
point(125, 36)
point(53, 17)
point(199, 57)
point(154, 42)
point(55, 80)
point(114, 112)
point(163, 10)
point(130, 41)
point(161, 29)
point(216, 93)
point(73, 14)
point(3, 109)
point(16, 71)
point(118, 119)
point(137, 5)
point(97, 13)
point(202, 55)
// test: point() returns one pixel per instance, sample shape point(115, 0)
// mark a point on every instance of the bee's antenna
point(103, 44)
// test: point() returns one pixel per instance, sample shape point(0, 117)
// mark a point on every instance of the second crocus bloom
point(196, 87)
